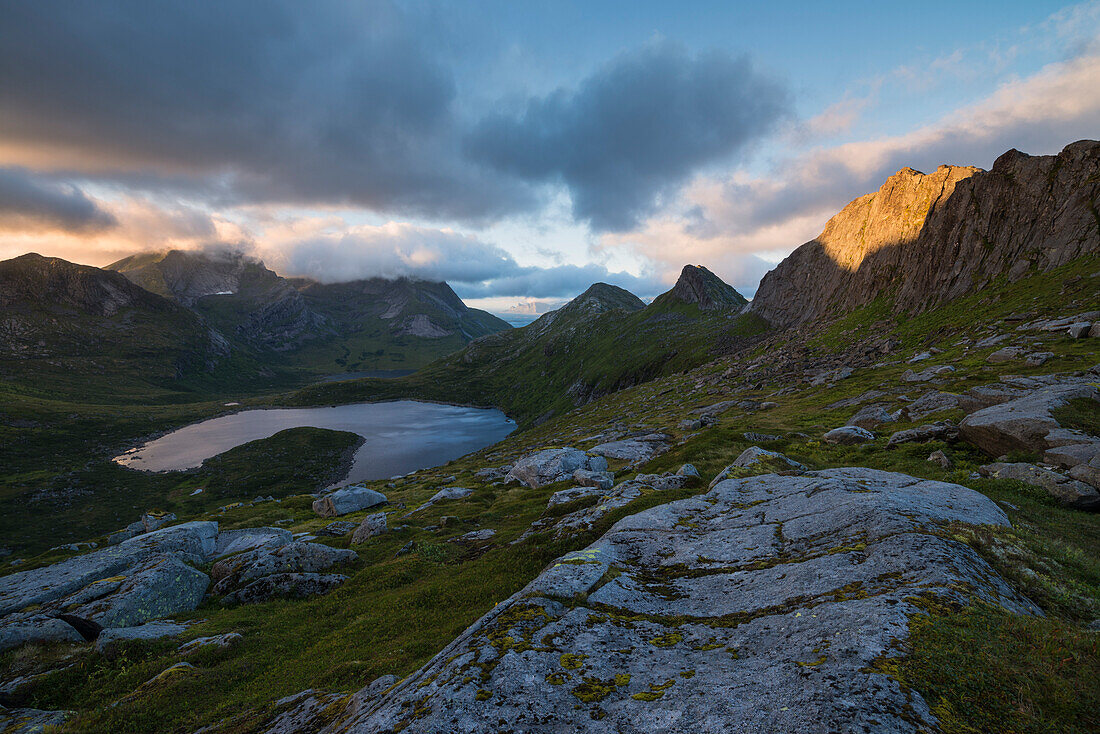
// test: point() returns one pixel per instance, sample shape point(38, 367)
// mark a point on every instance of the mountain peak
point(924, 239)
point(64, 285)
point(602, 297)
point(703, 288)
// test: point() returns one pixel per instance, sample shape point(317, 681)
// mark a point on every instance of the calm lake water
point(401, 436)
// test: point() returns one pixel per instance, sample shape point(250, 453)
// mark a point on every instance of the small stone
point(599, 479)
point(688, 470)
point(348, 499)
point(371, 526)
point(847, 435)
point(938, 457)
point(1037, 359)
point(1007, 354)
point(1079, 330)
point(226, 640)
point(475, 536)
point(337, 529)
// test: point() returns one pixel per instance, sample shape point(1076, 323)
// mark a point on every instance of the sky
point(521, 151)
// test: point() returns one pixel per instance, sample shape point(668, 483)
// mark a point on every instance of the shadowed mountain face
point(67, 326)
point(361, 324)
point(924, 239)
point(51, 284)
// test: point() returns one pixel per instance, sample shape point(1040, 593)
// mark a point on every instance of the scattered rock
point(149, 631)
point(688, 470)
point(285, 585)
point(226, 640)
point(870, 416)
point(600, 479)
point(1079, 330)
point(492, 473)
point(760, 437)
point(927, 374)
point(1026, 423)
point(938, 457)
point(162, 586)
point(302, 712)
point(449, 493)
point(990, 341)
point(938, 431)
point(553, 465)
point(1038, 359)
point(348, 499)
point(634, 450)
point(573, 494)
point(848, 435)
point(338, 529)
point(371, 526)
point(929, 403)
point(1007, 354)
point(475, 536)
point(292, 558)
point(31, 721)
point(151, 521)
point(757, 459)
point(36, 628)
point(1068, 492)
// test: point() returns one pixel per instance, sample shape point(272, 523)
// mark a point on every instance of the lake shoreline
point(397, 435)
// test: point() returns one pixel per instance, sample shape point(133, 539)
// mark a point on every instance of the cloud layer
point(634, 130)
point(329, 251)
point(351, 104)
point(30, 202)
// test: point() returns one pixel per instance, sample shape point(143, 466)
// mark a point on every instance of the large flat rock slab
point(760, 606)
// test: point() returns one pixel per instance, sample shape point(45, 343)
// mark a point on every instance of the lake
point(400, 436)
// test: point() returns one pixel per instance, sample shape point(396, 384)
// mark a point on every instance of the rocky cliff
point(924, 239)
point(699, 286)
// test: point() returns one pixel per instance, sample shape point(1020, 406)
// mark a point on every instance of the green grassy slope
point(980, 669)
point(566, 358)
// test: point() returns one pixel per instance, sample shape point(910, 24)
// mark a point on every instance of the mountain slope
point(602, 341)
point(364, 324)
point(76, 328)
point(925, 239)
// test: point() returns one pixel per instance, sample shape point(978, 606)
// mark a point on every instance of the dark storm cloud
point(329, 102)
point(29, 202)
point(633, 130)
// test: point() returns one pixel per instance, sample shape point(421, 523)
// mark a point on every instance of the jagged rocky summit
point(697, 285)
point(925, 239)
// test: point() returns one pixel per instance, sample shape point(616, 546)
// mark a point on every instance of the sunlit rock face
point(923, 239)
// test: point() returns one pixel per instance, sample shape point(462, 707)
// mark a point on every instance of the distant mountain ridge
point(924, 239)
point(70, 325)
point(346, 324)
point(603, 340)
point(169, 318)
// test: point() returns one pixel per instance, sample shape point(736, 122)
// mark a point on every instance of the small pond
point(400, 436)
